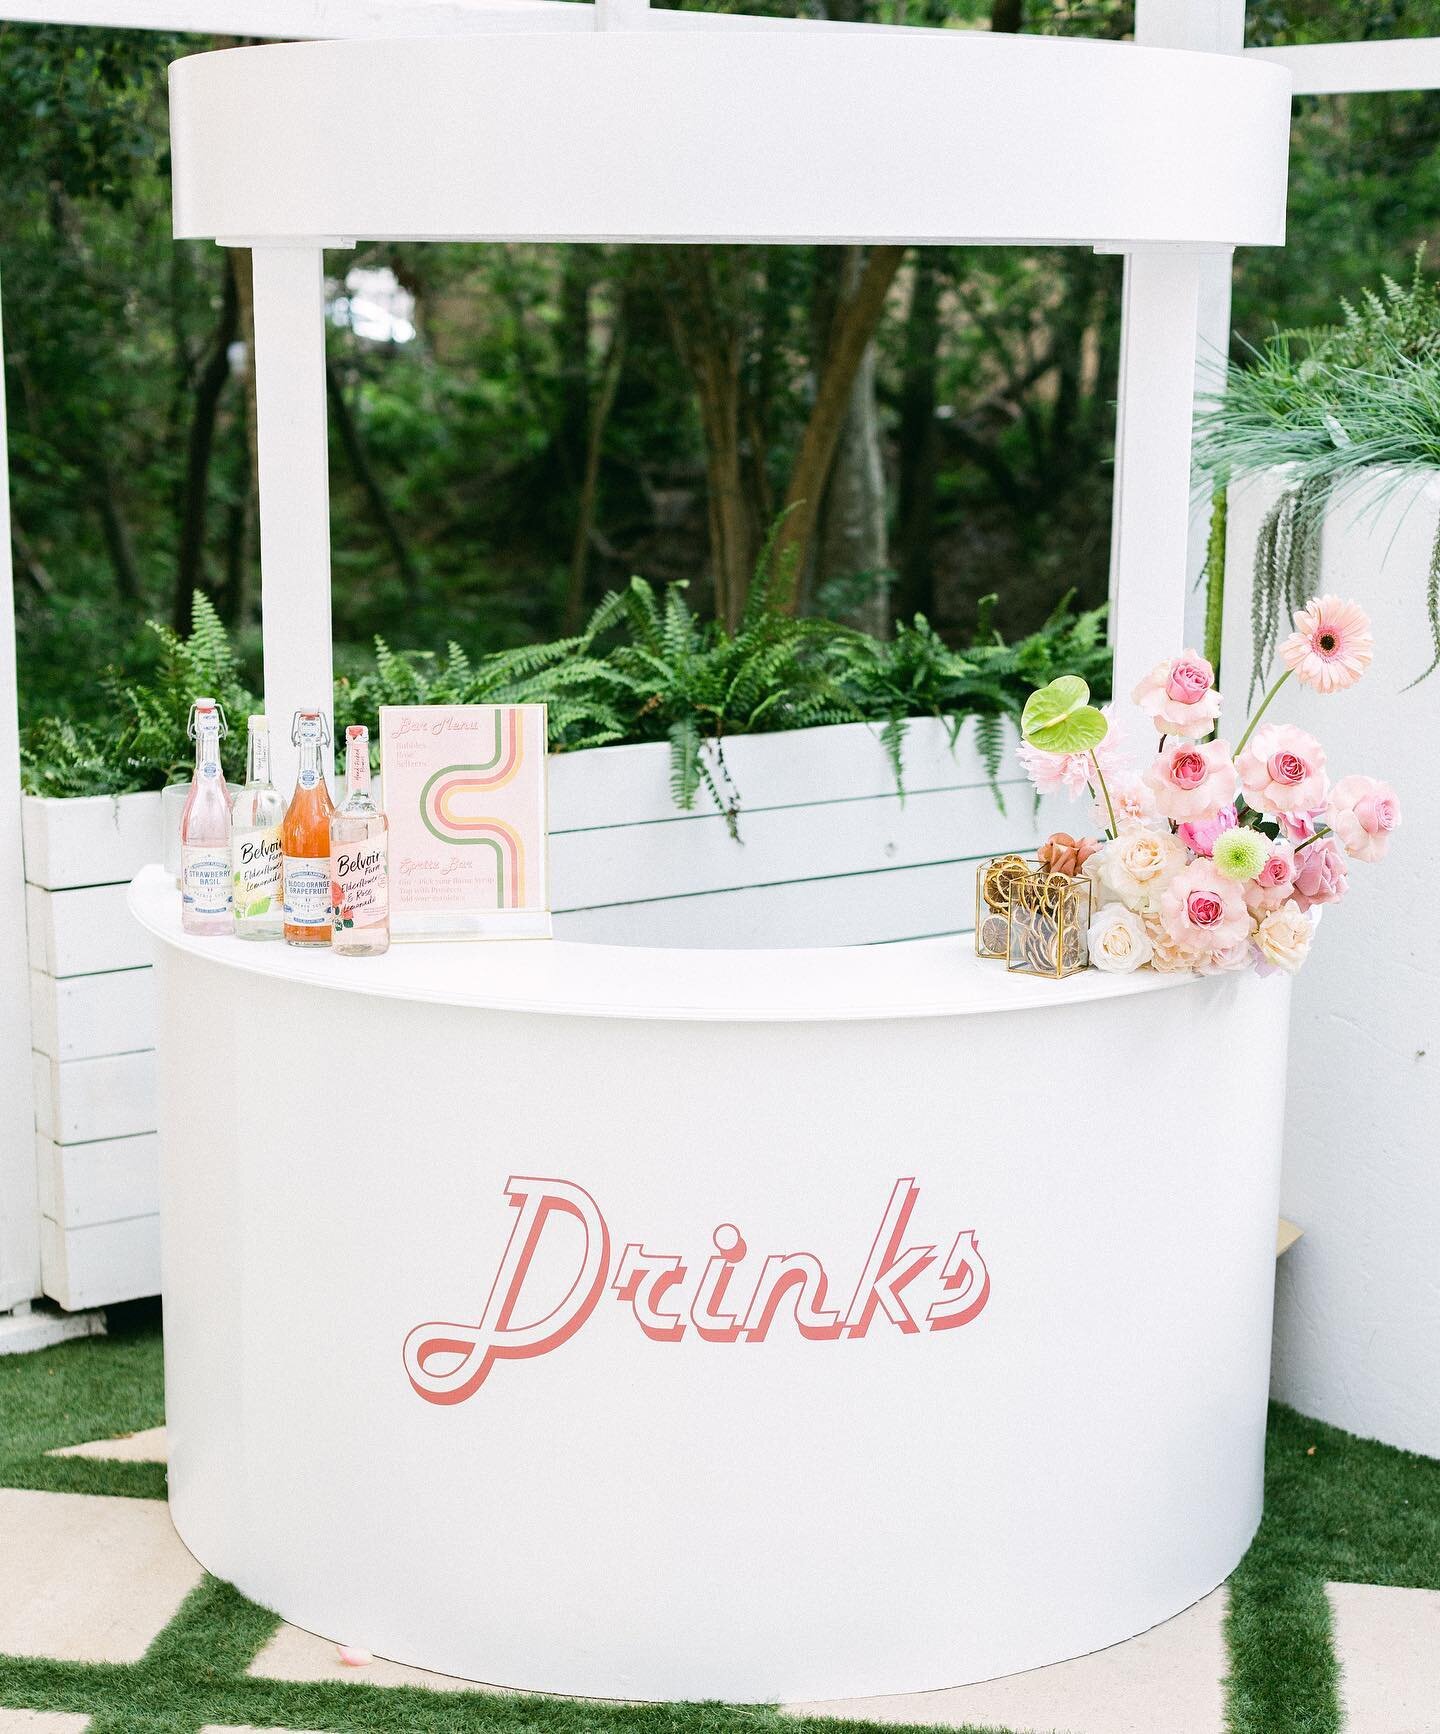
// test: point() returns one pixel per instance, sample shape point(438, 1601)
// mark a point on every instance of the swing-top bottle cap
point(357, 732)
point(206, 711)
point(309, 725)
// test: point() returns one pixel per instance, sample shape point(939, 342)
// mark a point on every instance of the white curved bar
point(1045, 1440)
point(673, 134)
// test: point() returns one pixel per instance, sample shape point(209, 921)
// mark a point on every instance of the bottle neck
point(309, 774)
point(257, 769)
point(357, 770)
point(207, 751)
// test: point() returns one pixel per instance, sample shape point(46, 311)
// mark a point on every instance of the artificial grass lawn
point(1336, 1508)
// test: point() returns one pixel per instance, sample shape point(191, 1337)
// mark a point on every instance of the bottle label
point(255, 864)
point(360, 883)
point(309, 775)
point(307, 891)
point(205, 879)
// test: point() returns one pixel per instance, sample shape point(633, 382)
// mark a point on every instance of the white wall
point(1357, 1329)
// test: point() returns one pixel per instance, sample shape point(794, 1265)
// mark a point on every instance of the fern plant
point(646, 667)
point(138, 738)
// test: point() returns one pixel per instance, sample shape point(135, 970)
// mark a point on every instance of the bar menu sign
point(464, 789)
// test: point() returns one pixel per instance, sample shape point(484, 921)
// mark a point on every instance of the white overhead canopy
point(672, 134)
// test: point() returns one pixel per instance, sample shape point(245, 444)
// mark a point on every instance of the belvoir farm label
point(465, 798)
point(728, 1292)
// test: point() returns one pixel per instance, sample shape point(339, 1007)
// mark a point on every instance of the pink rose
point(1179, 697)
point(1300, 827)
point(1320, 874)
point(1203, 913)
point(1192, 781)
point(1275, 880)
point(1198, 835)
point(1282, 770)
point(1363, 813)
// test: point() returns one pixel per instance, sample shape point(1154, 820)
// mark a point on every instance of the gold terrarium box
point(1037, 921)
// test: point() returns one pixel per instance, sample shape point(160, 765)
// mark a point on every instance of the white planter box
point(1357, 1304)
point(829, 854)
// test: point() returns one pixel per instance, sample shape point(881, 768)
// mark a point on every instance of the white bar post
point(1151, 525)
point(294, 491)
point(19, 1194)
point(1211, 27)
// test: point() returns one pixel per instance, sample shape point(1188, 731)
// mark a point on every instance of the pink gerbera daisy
point(1331, 645)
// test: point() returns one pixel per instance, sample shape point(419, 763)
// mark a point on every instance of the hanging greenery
point(1333, 409)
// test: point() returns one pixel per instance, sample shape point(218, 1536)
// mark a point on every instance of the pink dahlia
point(1331, 646)
point(1282, 770)
point(1192, 780)
point(1320, 874)
point(1363, 813)
point(1179, 696)
point(1204, 913)
point(1198, 835)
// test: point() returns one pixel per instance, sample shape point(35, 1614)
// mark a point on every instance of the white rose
point(1284, 937)
point(1118, 940)
point(1138, 865)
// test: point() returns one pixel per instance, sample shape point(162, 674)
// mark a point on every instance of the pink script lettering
point(446, 1363)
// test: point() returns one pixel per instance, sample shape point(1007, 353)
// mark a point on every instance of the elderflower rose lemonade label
point(359, 859)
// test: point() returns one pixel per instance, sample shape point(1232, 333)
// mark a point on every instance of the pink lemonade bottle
point(207, 902)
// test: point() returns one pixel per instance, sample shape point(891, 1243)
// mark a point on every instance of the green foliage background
point(458, 459)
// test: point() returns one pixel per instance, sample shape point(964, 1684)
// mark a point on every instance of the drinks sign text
point(726, 1295)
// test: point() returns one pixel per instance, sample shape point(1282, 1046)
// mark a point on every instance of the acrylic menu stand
point(628, 1487)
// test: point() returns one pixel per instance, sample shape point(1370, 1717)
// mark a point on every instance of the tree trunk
point(114, 528)
point(919, 443)
point(856, 317)
point(364, 473)
point(589, 481)
point(853, 548)
point(195, 499)
point(245, 517)
point(706, 330)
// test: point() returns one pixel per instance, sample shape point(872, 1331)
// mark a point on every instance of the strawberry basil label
point(726, 1292)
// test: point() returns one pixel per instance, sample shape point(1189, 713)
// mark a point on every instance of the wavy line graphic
point(444, 799)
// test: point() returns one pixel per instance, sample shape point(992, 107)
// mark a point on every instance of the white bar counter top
point(922, 978)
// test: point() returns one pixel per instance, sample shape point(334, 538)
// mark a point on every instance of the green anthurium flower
point(1060, 718)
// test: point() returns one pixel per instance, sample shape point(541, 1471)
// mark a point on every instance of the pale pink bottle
point(208, 900)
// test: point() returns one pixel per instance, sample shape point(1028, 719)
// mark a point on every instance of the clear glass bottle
point(359, 859)
point(305, 837)
point(207, 905)
point(255, 820)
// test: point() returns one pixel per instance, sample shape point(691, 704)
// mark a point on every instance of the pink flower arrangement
point(1179, 696)
point(1282, 770)
point(1331, 645)
point(1363, 813)
point(1165, 897)
point(1192, 780)
point(1198, 835)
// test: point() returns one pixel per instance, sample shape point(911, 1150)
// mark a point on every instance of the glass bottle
point(305, 837)
point(206, 903)
point(359, 859)
point(255, 820)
